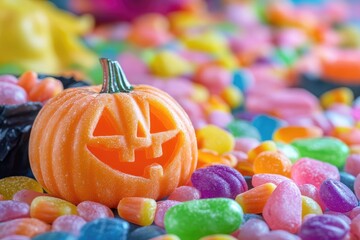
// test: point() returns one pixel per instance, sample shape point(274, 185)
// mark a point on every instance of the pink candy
point(92, 210)
point(312, 192)
point(68, 223)
point(279, 235)
point(161, 209)
point(27, 196)
point(245, 144)
point(357, 186)
point(352, 164)
point(282, 211)
point(184, 193)
point(253, 229)
point(10, 209)
point(307, 170)
point(262, 178)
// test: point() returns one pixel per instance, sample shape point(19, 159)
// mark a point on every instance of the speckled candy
point(13, 209)
point(252, 229)
point(262, 178)
point(198, 218)
point(218, 181)
point(68, 223)
point(89, 211)
point(184, 193)
point(161, 209)
point(23, 226)
point(11, 185)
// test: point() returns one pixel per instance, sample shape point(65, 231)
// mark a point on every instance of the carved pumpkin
point(114, 142)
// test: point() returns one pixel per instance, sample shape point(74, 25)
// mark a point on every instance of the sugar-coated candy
point(11, 185)
point(218, 237)
point(218, 181)
point(312, 192)
point(138, 210)
point(68, 223)
point(105, 229)
point(253, 229)
point(90, 210)
point(161, 208)
point(242, 129)
point(272, 162)
point(214, 138)
point(55, 236)
point(348, 180)
point(357, 186)
point(16, 237)
point(279, 235)
point(337, 196)
point(311, 171)
point(262, 178)
point(27, 196)
point(23, 226)
point(344, 217)
point(352, 164)
point(254, 200)
point(198, 218)
point(262, 147)
point(325, 149)
point(309, 206)
point(10, 209)
point(184, 193)
point(276, 211)
point(144, 233)
point(323, 227)
point(166, 237)
point(355, 227)
point(48, 209)
point(267, 125)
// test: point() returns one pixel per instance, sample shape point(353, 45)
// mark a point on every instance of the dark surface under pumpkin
point(15, 126)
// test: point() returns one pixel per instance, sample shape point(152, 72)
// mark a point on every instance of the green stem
point(114, 79)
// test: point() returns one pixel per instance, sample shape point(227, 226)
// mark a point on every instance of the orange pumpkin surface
point(110, 143)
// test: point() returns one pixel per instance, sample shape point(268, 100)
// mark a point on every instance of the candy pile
point(274, 160)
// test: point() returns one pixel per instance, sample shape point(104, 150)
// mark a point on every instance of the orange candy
point(29, 227)
point(291, 133)
point(264, 146)
point(272, 162)
point(28, 80)
point(208, 157)
point(138, 210)
point(45, 89)
point(349, 135)
point(254, 200)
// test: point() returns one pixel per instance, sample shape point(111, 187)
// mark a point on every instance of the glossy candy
point(218, 181)
point(45, 89)
point(48, 209)
point(90, 211)
point(337, 196)
point(68, 223)
point(23, 226)
point(12, 94)
point(105, 229)
point(309, 190)
point(323, 227)
point(272, 162)
point(10, 209)
point(11, 185)
point(184, 193)
point(28, 80)
point(140, 211)
point(207, 216)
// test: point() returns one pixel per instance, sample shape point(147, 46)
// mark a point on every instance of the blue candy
point(144, 233)
point(55, 236)
point(267, 125)
point(105, 229)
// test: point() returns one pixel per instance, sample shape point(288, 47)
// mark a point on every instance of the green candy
point(290, 151)
point(326, 149)
point(198, 218)
point(240, 128)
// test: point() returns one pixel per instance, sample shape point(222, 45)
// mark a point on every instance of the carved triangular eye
point(107, 125)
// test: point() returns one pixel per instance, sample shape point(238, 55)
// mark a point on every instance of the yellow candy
point(232, 96)
point(341, 95)
point(200, 93)
point(138, 210)
point(215, 103)
point(218, 237)
point(169, 64)
point(48, 209)
point(214, 138)
point(264, 146)
point(350, 36)
point(210, 42)
point(228, 61)
point(182, 21)
point(11, 185)
point(309, 206)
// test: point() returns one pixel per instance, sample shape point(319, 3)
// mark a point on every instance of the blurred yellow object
point(169, 64)
point(342, 95)
point(37, 36)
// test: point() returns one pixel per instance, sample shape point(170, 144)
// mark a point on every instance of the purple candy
point(337, 196)
point(10, 209)
point(218, 181)
point(324, 227)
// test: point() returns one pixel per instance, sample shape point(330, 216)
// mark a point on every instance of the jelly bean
point(337, 196)
point(13, 209)
point(218, 181)
point(272, 162)
point(239, 128)
point(285, 196)
point(323, 227)
point(215, 78)
point(90, 211)
point(348, 180)
point(12, 94)
point(307, 170)
point(262, 147)
point(166, 237)
point(11, 185)
point(325, 149)
point(27, 196)
point(254, 200)
point(262, 178)
point(279, 235)
point(15, 237)
point(199, 93)
point(144, 233)
point(215, 42)
point(169, 64)
point(289, 151)
point(55, 236)
point(218, 237)
point(216, 103)
point(349, 135)
point(267, 125)
point(312, 192)
point(184, 193)
point(207, 216)
point(138, 210)
point(161, 209)
point(290, 133)
point(23, 226)
point(352, 164)
point(232, 96)
point(68, 223)
point(245, 144)
point(309, 206)
point(105, 229)
point(219, 118)
point(214, 138)
point(253, 229)
point(28, 80)
point(335, 96)
point(48, 209)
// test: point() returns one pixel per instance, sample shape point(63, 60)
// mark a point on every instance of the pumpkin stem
point(114, 79)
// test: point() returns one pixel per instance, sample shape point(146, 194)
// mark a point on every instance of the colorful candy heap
point(274, 161)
